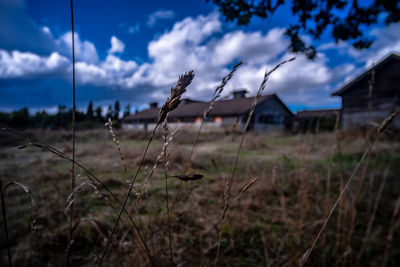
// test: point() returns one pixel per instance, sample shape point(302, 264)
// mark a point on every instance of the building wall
point(362, 118)
point(271, 109)
point(270, 115)
point(364, 104)
point(186, 126)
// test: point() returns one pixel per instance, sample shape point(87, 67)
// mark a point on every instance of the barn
point(228, 114)
point(373, 95)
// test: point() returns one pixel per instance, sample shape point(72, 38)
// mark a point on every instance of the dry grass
point(287, 204)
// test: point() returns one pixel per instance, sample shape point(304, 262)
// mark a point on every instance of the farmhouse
point(230, 114)
point(373, 95)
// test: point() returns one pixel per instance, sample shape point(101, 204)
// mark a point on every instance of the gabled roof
point(366, 73)
point(230, 107)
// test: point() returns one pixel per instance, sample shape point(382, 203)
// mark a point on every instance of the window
point(218, 119)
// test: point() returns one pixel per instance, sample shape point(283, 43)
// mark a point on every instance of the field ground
point(273, 223)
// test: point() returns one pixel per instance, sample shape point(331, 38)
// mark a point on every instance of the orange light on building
point(218, 119)
point(197, 120)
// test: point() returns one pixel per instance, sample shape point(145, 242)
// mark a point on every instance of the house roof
point(230, 107)
point(366, 73)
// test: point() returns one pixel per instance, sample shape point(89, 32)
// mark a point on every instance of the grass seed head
point(190, 177)
point(176, 92)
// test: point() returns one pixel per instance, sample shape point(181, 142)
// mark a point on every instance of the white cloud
point(110, 73)
point(117, 46)
point(18, 64)
point(193, 43)
point(254, 48)
point(387, 40)
point(84, 50)
point(118, 66)
point(160, 14)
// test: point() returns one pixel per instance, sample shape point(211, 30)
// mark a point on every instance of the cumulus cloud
point(110, 73)
point(254, 48)
point(18, 64)
point(192, 43)
point(117, 46)
point(84, 50)
point(160, 14)
point(386, 41)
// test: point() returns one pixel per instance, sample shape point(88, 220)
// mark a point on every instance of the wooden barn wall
point(359, 107)
point(270, 107)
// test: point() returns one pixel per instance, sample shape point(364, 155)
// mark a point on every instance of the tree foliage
point(62, 118)
point(344, 19)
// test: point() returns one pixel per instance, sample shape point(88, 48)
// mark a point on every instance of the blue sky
point(133, 51)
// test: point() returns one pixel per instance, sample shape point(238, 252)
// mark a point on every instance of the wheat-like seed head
point(176, 92)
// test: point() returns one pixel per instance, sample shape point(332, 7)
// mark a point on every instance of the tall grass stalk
point(137, 229)
point(99, 185)
point(3, 211)
point(394, 224)
point(353, 208)
point(329, 177)
point(228, 185)
point(166, 163)
point(73, 135)
point(217, 94)
point(380, 130)
point(172, 102)
point(372, 218)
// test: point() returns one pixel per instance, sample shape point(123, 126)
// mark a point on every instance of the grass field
point(272, 223)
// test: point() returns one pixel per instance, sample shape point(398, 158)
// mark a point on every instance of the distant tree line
point(93, 117)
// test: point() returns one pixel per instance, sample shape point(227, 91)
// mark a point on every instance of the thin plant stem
point(92, 177)
point(394, 224)
point(228, 186)
point(372, 219)
point(3, 209)
point(172, 102)
point(381, 129)
point(217, 93)
point(328, 179)
point(116, 142)
point(165, 127)
point(128, 194)
point(73, 135)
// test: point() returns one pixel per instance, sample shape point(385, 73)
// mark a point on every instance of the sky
point(134, 51)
